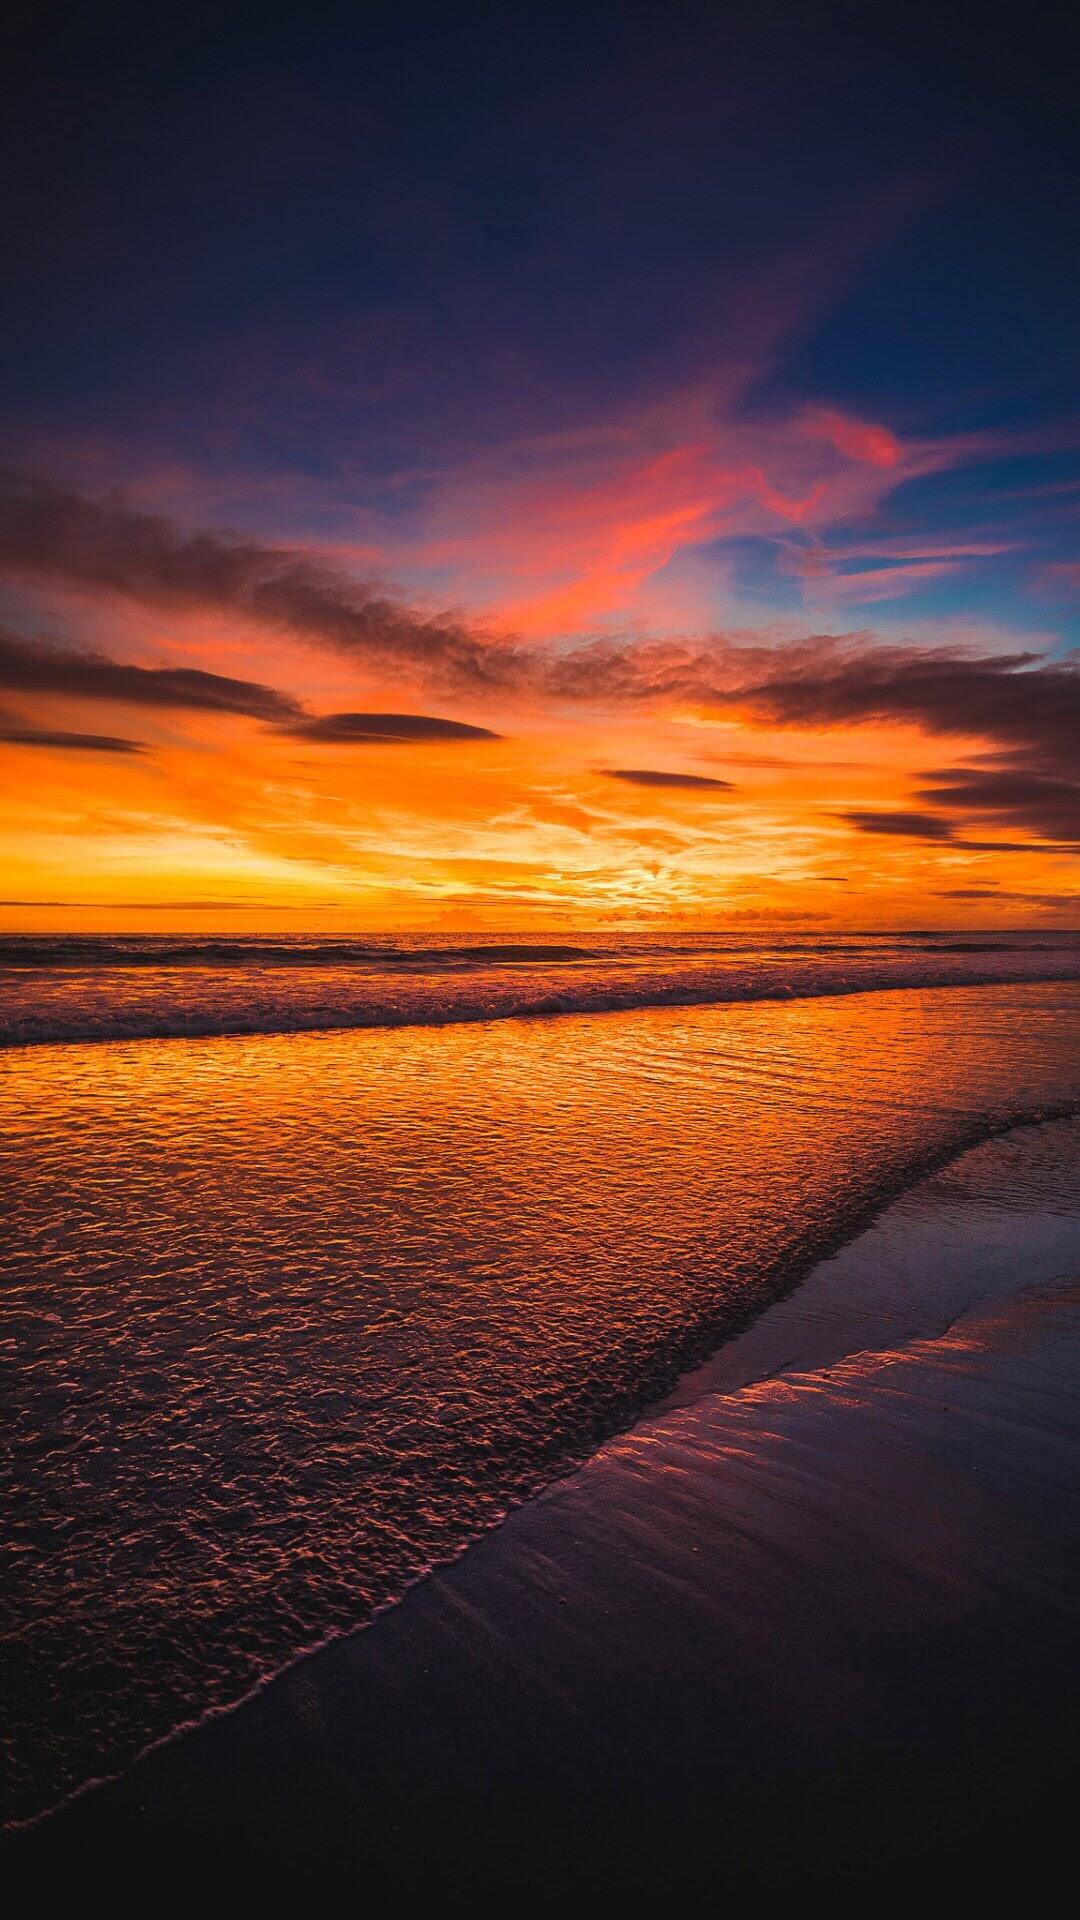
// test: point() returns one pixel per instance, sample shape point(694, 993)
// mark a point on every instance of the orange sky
point(529, 829)
point(618, 539)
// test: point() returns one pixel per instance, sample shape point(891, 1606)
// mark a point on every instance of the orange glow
point(525, 830)
point(208, 818)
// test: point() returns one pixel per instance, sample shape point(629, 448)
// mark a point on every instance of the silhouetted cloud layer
point(1004, 895)
point(1020, 699)
point(1020, 797)
point(32, 666)
point(50, 532)
point(903, 822)
point(1026, 705)
point(77, 742)
point(908, 823)
point(373, 728)
point(1029, 705)
point(653, 777)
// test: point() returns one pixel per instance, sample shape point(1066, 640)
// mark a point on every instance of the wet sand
point(812, 1623)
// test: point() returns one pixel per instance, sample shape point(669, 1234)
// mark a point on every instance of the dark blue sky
point(575, 189)
point(358, 245)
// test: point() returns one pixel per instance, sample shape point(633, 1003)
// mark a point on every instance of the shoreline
point(627, 1536)
point(746, 1356)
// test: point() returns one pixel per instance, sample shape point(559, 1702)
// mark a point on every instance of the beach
point(296, 1320)
point(809, 1626)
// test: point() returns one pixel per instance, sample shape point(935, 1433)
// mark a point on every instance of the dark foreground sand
point(814, 1626)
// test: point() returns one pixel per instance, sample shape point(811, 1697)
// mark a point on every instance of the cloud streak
point(373, 729)
point(69, 742)
point(35, 667)
point(1005, 895)
point(1016, 795)
point(654, 777)
point(903, 822)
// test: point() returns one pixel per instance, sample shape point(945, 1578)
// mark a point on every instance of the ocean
point(100, 987)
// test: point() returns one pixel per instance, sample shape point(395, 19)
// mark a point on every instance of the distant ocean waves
point(86, 987)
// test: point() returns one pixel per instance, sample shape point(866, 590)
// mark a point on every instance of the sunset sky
point(495, 471)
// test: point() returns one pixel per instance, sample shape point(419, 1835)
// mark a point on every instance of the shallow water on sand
point(296, 1318)
point(815, 1627)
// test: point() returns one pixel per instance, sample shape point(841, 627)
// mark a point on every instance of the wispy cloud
point(556, 534)
point(861, 575)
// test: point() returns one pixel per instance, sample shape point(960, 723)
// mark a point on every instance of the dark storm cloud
point(32, 666)
point(903, 822)
point(72, 742)
point(373, 728)
point(653, 777)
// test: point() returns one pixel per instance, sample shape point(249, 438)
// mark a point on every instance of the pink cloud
point(850, 572)
point(855, 439)
point(881, 583)
point(565, 531)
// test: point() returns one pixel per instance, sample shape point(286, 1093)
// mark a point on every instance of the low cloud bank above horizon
point(1025, 704)
point(431, 827)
